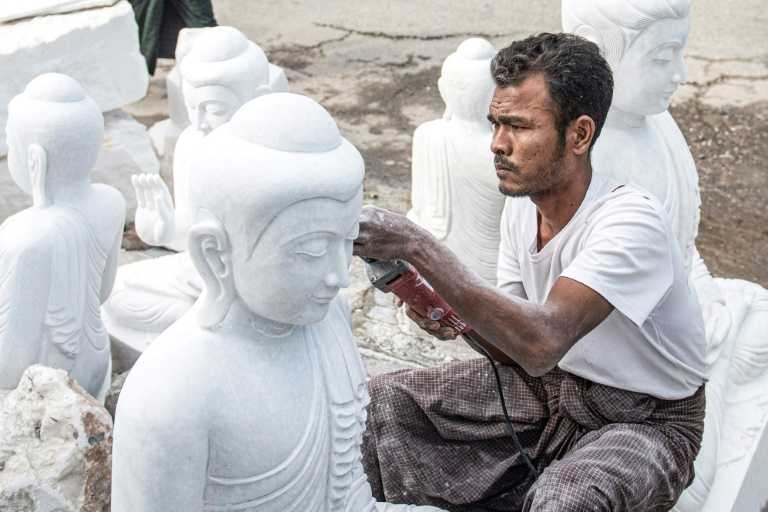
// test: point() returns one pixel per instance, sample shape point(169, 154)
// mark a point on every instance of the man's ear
point(581, 133)
point(37, 165)
point(210, 252)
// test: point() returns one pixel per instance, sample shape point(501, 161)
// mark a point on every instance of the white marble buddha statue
point(57, 258)
point(221, 72)
point(454, 191)
point(255, 400)
point(643, 40)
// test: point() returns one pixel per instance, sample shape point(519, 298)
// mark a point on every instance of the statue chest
point(282, 446)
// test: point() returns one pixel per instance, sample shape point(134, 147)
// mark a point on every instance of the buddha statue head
point(55, 131)
point(642, 40)
point(274, 224)
point(465, 82)
point(222, 71)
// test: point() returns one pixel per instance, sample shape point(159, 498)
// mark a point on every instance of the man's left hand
point(385, 235)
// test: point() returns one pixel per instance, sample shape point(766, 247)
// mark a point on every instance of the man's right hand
point(436, 329)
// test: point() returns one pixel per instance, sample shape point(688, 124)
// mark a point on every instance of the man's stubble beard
point(543, 180)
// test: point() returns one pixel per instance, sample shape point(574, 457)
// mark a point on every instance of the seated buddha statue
point(454, 193)
point(643, 40)
point(255, 399)
point(221, 71)
point(57, 258)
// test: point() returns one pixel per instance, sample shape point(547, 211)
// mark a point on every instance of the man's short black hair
point(579, 78)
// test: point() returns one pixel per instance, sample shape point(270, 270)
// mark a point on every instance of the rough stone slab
point(127, 150)
point(97, 47)
point(14, 10)
point(55, 446)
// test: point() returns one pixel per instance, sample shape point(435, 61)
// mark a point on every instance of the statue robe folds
point(455, 191)
point(50, 294)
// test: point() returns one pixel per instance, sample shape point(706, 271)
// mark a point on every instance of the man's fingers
point(447, 333)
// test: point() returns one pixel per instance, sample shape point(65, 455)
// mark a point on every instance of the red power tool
point(400, 278)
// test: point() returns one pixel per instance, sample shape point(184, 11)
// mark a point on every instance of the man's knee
point(568, 488)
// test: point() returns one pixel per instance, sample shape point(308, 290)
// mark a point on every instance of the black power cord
point(516, 440)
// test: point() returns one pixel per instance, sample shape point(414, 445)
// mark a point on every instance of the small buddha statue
point(58, 258)
point(454, 191)
point(643, 40)
point(221, 71)
point(255, 399)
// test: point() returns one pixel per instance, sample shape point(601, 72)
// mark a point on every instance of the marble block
point(55, 446)
point(10, 11)
point(265, 407)
point(97, 47)
point(644, 42)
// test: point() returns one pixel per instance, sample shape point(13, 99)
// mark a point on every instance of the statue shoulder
point(29, 235)
point(171, 378)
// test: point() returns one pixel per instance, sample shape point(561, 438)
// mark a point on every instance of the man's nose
point(499, 144)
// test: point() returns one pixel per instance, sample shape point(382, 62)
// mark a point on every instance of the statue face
point(209, 106)
point(300, 261)
point(652, 68)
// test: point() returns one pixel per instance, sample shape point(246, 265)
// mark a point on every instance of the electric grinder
point(400, 278)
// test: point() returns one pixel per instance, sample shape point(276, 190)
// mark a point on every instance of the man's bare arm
point(536, 336)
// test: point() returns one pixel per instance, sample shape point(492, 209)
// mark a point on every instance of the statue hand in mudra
point(155, 219)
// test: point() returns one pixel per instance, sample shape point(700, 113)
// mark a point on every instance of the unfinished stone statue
point(57, 258)
point(643, 40)
point(221, 72)
point(255, 400)
point(454, 191)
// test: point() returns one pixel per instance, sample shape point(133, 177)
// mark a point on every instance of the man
point(602, 340)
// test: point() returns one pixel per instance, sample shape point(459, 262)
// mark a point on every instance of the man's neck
point(557, 207)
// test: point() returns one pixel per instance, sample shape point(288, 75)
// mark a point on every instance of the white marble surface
point(97, 47)
point(220, 70)
point(272, 258)
point(58, 258)
point(454, 189)
point(13, 10)
point(647, 61)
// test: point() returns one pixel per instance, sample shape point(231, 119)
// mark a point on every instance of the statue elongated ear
point(37, 164)
point(210, 252)
point(441, 89)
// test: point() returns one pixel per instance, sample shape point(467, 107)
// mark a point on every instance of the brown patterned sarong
point(437, 436)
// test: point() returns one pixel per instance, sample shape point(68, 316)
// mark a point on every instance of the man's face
point(300, 261)
point(528, 147)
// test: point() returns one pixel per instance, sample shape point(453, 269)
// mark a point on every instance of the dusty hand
point(384, 235)
point(432, 327)
point(154, 212)
point(717, 319)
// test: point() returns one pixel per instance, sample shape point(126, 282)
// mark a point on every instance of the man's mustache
point(502, 162)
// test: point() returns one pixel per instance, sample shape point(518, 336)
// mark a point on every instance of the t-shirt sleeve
point(508, 278)
point(626, 255)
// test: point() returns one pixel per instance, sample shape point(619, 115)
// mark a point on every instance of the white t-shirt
point(620, 245)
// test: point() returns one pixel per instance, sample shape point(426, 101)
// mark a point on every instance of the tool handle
point(413, 290)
